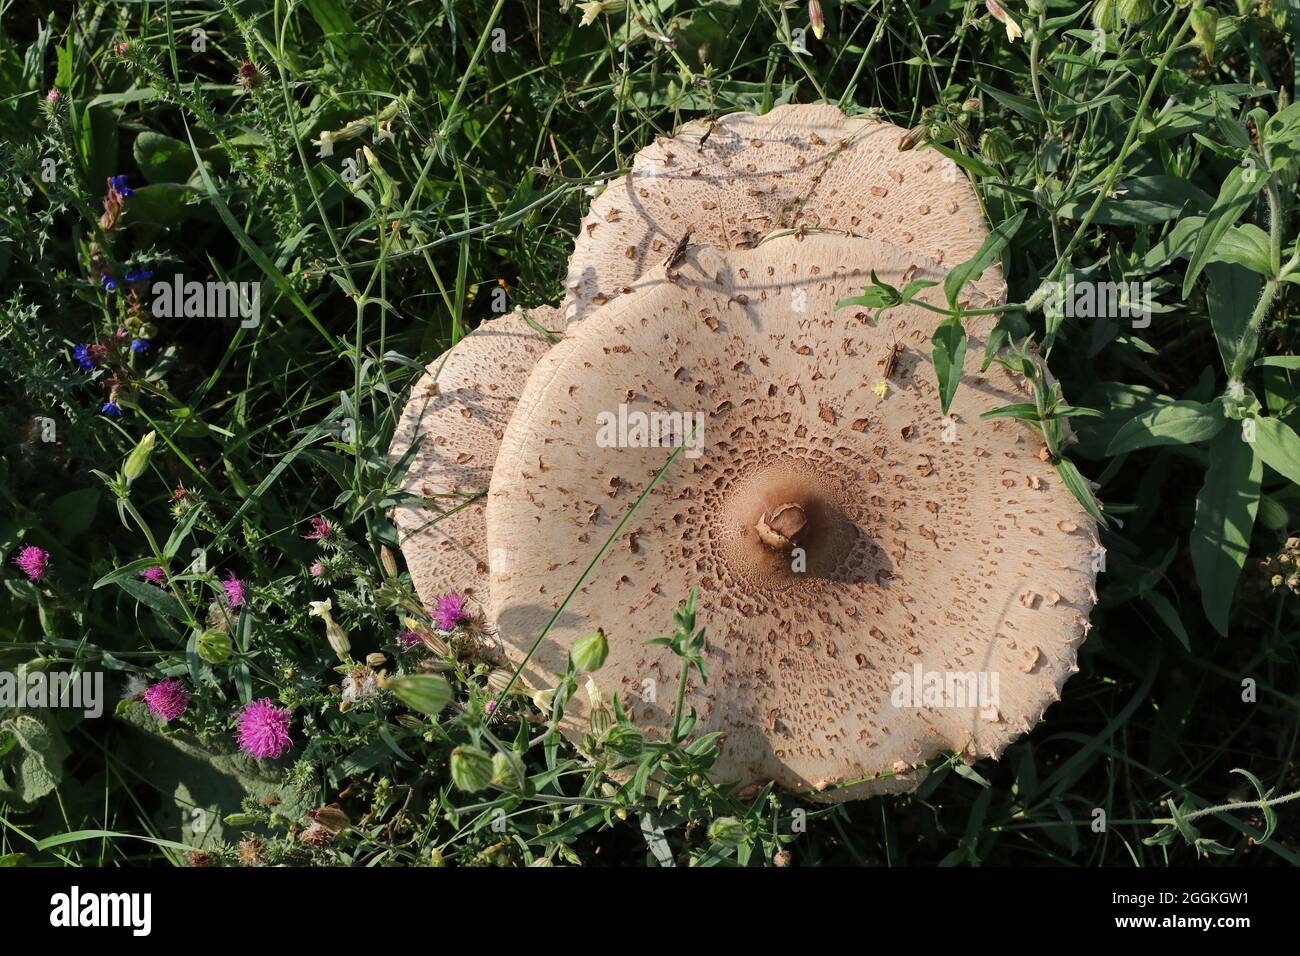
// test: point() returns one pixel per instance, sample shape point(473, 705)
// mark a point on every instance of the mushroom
point(460, 407)
point(731, 182)
point(840, 545)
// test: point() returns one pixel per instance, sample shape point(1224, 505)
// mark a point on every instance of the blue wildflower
point(82, 355)
point(109, 283)
point(111, 409)
point(120, 187)
point(139, 345)
point(144, 275)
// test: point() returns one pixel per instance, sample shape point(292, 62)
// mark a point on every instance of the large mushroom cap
point(954, 558)
point(736, 180)
point(461, 405)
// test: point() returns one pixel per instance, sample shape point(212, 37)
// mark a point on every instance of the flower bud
point(427, 693)
point(508, 770)
point(471, 769)
point(376, 659)
point(215, 646)
point(996, 146)
point(815, 19)
point(602, 718)
point(387, 561)
point(728, 831)
point(1134, 12)
point(138, 460)
point(1104, 16)
point(590, 652)
point(625, 742)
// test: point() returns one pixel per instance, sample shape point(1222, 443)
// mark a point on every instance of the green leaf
point(1232, 295)
point(1146, 200)
point(160, 204)
point(1279, 446)
point(44, 751)
point(162, 159)
point(1270, 815)
point(153, 596)
point(79, 836)
point(1078, 486)
point(1169, 614)
point(1225, 517)
point(1280, 361)
point(972, 269)
point(1235, 197)
point(73, 513)
point(1177, 423)
point(949, 355)
point(257, 255)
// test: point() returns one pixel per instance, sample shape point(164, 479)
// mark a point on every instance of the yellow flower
point(881, 388)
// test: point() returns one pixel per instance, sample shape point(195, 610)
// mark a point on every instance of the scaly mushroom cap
point(461, 406)
point(836, 537)
point(733, 183)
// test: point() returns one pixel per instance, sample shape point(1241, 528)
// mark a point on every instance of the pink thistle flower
point(235, 594)
point(408, 639)
point(450, 611)
point(491, 706)
point(31, 561)
point(317, 570)
point(154, 575)
point(264, 729)
point(320, 530)
point(167, 699)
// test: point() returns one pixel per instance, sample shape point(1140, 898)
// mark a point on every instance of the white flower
point(321, 608)
point(325, 145)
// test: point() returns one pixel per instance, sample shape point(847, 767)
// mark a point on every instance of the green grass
point(1104, 147)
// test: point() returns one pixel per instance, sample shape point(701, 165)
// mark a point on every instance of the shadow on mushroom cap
point(795, 166)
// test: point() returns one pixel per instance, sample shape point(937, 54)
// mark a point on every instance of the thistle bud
point(138, 460)
point(214, 646)
point(590, 652)
point(728, 831)
point(471, 769)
